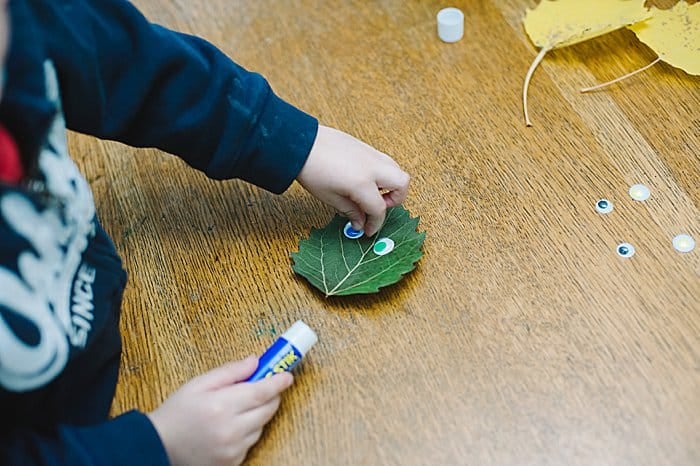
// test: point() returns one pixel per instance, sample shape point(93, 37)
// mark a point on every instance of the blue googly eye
point(625, 250)
point(351, 233)
point(604, 206)
point(383, 246)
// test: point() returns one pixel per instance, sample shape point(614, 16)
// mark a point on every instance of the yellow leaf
point(674, 35)
point(558, 23)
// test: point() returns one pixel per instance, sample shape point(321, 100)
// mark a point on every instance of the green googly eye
point(383, 246)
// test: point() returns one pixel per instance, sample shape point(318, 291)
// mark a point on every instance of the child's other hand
point(215, 418)
point(356, 179)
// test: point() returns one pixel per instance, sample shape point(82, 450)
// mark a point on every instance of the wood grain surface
point(522, 338)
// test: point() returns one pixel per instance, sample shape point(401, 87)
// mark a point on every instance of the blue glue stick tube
point(285, 352)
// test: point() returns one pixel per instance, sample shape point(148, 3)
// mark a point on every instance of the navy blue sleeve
point(126, 79)
point(127, 439)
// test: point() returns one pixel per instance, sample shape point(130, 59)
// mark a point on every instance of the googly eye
point(625, 250)
point(383, 246)
point(604, 206)
point(639, 192)
point(683, 243)
point(351, 233)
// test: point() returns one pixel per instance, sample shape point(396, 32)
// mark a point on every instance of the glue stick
point(285, 352)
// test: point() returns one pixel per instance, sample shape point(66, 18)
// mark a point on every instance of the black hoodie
point(100, 68)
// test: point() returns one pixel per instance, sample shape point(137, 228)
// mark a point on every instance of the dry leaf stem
point(616, 80)
point(528, 76)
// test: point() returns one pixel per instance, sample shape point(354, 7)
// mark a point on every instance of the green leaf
point(340, 266)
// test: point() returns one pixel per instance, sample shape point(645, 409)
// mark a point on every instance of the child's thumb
point(230, 373)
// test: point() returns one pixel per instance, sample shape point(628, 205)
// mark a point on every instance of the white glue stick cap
point(450, 24)
point(300, 336)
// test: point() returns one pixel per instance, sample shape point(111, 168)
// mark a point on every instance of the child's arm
point(124, 78)
point(212, 420)
point(128, 439)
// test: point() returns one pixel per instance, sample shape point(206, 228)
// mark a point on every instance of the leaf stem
point(323, 269)
point(528, 76)
point(605, 84)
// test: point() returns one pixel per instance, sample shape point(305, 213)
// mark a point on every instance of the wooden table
point(522, 338)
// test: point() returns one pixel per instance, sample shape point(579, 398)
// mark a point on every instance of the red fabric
point(11, 170)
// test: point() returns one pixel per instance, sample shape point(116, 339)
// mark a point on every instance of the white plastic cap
point(450, 24)
point(300, 336)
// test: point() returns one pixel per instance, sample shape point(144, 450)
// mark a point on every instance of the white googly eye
point(639, 192)
point(625, 250)
point(383, 246)
point(604, 206)
point(683, 243)
point(351, 233)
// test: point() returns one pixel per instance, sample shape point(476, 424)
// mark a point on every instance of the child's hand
point(213, 419)
point(356, 179)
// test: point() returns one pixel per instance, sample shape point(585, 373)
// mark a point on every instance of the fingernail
point(288, 378)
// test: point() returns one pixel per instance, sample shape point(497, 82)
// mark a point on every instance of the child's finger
point(393, 198)
point(252, 438)
point(372, 203)
point(248, 396)
point(396, 182)
point(256, 418)
point(228, 374)
point(352, 211)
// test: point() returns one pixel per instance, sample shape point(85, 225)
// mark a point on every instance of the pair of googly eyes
point(381, 247)
point(604, 206)
point(638, 192)
point(681, 243)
